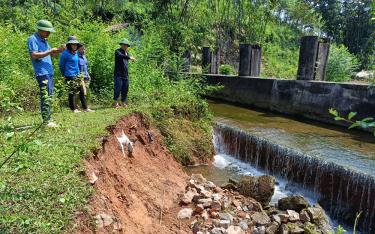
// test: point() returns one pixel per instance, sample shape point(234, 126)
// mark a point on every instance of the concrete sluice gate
point(342, 192)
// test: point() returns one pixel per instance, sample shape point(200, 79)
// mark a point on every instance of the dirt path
point(129, 190)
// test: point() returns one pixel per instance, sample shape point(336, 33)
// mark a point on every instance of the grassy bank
point(41, 190)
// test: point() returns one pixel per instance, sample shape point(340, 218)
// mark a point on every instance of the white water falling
point(255, 163)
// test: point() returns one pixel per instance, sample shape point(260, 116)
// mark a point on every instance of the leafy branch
point(365, 123)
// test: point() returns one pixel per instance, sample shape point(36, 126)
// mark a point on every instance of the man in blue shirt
point(40, 53)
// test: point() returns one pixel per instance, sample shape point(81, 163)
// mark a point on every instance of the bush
point(227, 69)
point(341, 64)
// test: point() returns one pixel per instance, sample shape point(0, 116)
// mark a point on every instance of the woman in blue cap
point(70, 70)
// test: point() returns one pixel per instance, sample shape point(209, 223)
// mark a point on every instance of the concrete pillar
point(307, 57)
point(322, 59)
point(256, 60)
point(245, 58)
point(215, 62)
point(186, 61)
point(206, 60)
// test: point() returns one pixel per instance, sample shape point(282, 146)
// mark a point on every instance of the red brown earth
point(133, 190)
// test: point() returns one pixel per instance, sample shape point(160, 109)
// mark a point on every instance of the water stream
point(325, 164)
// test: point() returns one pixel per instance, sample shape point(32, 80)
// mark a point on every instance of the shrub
point(227, 69)
point(341, 64)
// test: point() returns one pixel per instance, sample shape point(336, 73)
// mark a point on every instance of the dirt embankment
point(131, 192)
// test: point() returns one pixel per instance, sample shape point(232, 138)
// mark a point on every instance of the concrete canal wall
point(309, 99)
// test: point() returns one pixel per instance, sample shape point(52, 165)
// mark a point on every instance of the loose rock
point(235, 230)
point(236, 203)
point(188, 196)
point(272, 229)
point(217, 189)
point(229, 186)
point(205, 215)
point(241, 214)
point(259, 187)
point(296, 203)
point(103, 220)
point(243, 225)
point(226, 216)
point(93, 178)
point(224, 223)
point(216, 197)
point(293, 216)
point(276, 218)
point(199, 209)
point(304, 216)
point(283, 218)
point(319, 218)
point(260, 218)
point(185, 213)
point(216, 231)
point(259, 230)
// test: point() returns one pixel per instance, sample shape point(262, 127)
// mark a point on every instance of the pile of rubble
point(226, 210)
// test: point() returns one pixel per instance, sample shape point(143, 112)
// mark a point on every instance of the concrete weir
point(342, 191)
point(308, 99)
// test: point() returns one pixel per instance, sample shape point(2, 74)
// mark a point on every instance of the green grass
point(41, 189)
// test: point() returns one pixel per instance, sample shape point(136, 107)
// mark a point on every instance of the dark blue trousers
point(46, 84)
point(121, 87)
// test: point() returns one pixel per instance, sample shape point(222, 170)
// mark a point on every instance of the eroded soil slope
point(131, 191)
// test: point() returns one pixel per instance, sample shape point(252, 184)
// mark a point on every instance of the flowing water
point(326, 164)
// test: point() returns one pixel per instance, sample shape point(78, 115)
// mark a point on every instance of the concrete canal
point(326, 164)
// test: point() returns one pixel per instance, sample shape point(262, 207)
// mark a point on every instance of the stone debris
point(235, 230)
point(304, 216)
point(227, 211)
point(259, 230)
point(185, 213)
point(188, 196)
point(296, 203)
point(293, 216)
point(261, 188)
point(93, 178)
point(103, 220)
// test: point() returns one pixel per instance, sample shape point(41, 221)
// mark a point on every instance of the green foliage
point(340, 230)
point(349, 23)
point(341, 64)
point(227, 69)
point(189, 143)
point(365, 123)
point(41, 186)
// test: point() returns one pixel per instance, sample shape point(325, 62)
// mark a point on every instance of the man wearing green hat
point(40, 53)
point(121, 84)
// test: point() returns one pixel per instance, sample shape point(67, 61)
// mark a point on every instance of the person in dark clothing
point(121, 75)
point(70, 70)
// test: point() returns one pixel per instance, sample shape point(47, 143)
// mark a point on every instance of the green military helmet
point(125, 42)
point(45, 25)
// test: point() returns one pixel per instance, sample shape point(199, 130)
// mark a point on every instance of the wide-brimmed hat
point(72, 40)
point(124, 42)
point(45, 25)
